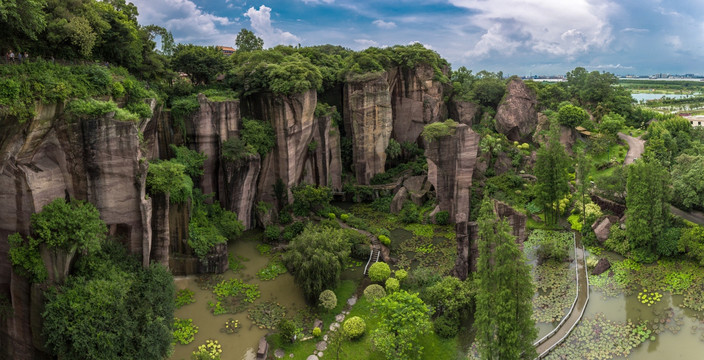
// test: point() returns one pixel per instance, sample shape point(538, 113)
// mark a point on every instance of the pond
point(240, 345)
point(638, 97)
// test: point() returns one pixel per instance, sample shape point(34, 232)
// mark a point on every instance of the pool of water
point(648, 96)
point(242, 344)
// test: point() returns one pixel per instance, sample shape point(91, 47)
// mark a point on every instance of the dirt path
point(696, 217)
point(636, 146)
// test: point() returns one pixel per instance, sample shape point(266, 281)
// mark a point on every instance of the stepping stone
point(312, 357)
point(334, 326)
point(351, 301)
point(320, 354)
point(279, 353)
point(325, 337)
point(340, 317)
point(322, 345)
point(291, 356)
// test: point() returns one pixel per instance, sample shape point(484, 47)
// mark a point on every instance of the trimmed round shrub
point(446, 326)
point(384, 240)
point(374, 292)
point(316, 332)
point(332, 216)
point(354, 327)
point(392, 285)
point(344, 217)
point(287, 330)
point(328, 299)
point(401, 275)
point(379, 272)
point(442, 218)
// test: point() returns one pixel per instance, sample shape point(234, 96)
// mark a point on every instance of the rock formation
point(368, 119)
point(602, 227)
point(568, 135)
point(464, 112)
point(451, 161)
point(601, 266)
point(517, 115)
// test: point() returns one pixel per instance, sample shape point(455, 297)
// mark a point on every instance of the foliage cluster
point(184, 297)
point(436, 130)
point(379, 272)
point(210, 225)
point(184, 331)
point(354, 327)
point(307, 198)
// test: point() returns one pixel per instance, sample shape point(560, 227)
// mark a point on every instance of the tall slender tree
point(503, 322)
point(551, 172)
point(584, 164)
point(647, 194)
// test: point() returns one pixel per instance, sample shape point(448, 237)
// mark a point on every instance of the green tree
point(201, 63)
point(25, 17)
point(403, 319)
point(551, 173)
point(317, 257)
point(572, 116)
point(611, 124)
point(258, 134)
point(584, 166)
point(647, 208)
point(503, 321)
point(247, 41)
point(688, 182)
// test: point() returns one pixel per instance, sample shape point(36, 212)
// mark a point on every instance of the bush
point(409, 213)
point(553, 246)
point(436, 130)
point(379, 272)
point(84, 109)
point(442, 217)
point(169, 177)
point(332, 216)
point(617, 241)
point(307, 198)
point(258, 134)
point(192, 160)
point(293, 230)
point(361, 251)
point(354, 327)
point(344, 217)
point(392, 285)
point(328, 299)
point(285, 218)
point(401, 275)
point(272, 233)
point(287, 330)
point(316, 332)
point(384, 240)
point(446, 326)
point(374, 292)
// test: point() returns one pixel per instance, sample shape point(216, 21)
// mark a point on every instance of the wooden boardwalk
point(560, 333)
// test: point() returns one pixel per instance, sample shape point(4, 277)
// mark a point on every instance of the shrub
point(379, 272)
point(316, 332)
point(401, 274)
point(307, 198)
point(442, 217)
point(285, 218)
point(84, 109)
point(328, 299)
point(332, 216)
point(552, 246)
point(169, 177)
point(293, 230)
point(392, 285)
point(287, 330)
point(344, 217)
point(258, 134)
point(374, 292)
point(384, 240)
point(354, 327)
point(361, 251)
point(409, 213)
point(272, 232)
point(191, 160)
point(617, 241)
point(446, 326)
point(436, 130)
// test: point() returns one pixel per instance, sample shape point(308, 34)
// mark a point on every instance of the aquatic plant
point(271, 271)
point(184, 331)
point(649, 298)
point(231, 326)
point(267, 315)
point(184, 297)
point(211, 350)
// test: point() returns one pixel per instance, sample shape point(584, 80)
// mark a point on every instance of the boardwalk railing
point(559, 341)
point(371, 257)
point(574, 303)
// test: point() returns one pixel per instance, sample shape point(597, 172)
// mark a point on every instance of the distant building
point(226, 50)
point(695, 120)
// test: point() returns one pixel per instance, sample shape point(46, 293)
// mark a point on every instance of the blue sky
point(520, 37)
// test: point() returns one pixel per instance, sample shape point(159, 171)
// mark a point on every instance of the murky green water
point(241, 345)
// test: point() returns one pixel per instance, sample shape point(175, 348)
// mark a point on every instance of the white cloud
point(424, 45)
point(318, 1)
point(674, 41)
point(261, 23)
point(635, 30)
point(553, 27)
point(609, 67)
point(384, 24)
point(186, 21)
point(366, 42)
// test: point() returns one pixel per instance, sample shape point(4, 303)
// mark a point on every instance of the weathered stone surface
point(516, 220)
point(451, 161)
point(461, 269)
point(161, 237)
point(464, 112)
point(608, 205)
point(239, 190)
point(568, 135)
point(517, 117)
point(601, 266)
point(416, 100)
point(602, 227)
point(399, 199)
point(324, 165)
point(368, 118)
point(293, 120)
point(418, 188)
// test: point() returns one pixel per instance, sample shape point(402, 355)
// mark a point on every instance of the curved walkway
point(560, 333)
point(636, 146)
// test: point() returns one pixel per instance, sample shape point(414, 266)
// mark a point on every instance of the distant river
point(647, 96)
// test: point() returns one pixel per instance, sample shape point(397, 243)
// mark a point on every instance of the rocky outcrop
point(517, 116)
point(516, 220)
point(608, 205)
point(238, 187)
point(324, 164)
point(97, 160)
point(461, 269)
point(368, 119)
point(294, 123)
point(464, 112)
point(418, 188)
point(601, 266)
point(602, 227)
point(416, 100)
point(451, 161)
point(568, 135)
point(399, 199)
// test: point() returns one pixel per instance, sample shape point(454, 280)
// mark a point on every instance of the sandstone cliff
point(517, 116)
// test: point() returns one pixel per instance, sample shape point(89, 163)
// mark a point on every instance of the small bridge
point(373, 258)
point(568, 323)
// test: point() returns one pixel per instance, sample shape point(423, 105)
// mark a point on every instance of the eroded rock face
point(601, 266)
point(568, 135)
point(97, 160)
point(602, 227)
point(461, 269)
point(293, 120)
point(324, 164)
point(238, 188)
point(416, 100)
point(516, 220)
point(517, 116)
point(399, 199)
point(464, 112)
point(451, 161)
point(368, 118)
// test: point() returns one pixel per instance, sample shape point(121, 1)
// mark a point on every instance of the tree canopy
point(403, 318)
point(247, 41)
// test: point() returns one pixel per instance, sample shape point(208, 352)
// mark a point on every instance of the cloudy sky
point(520, 37)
